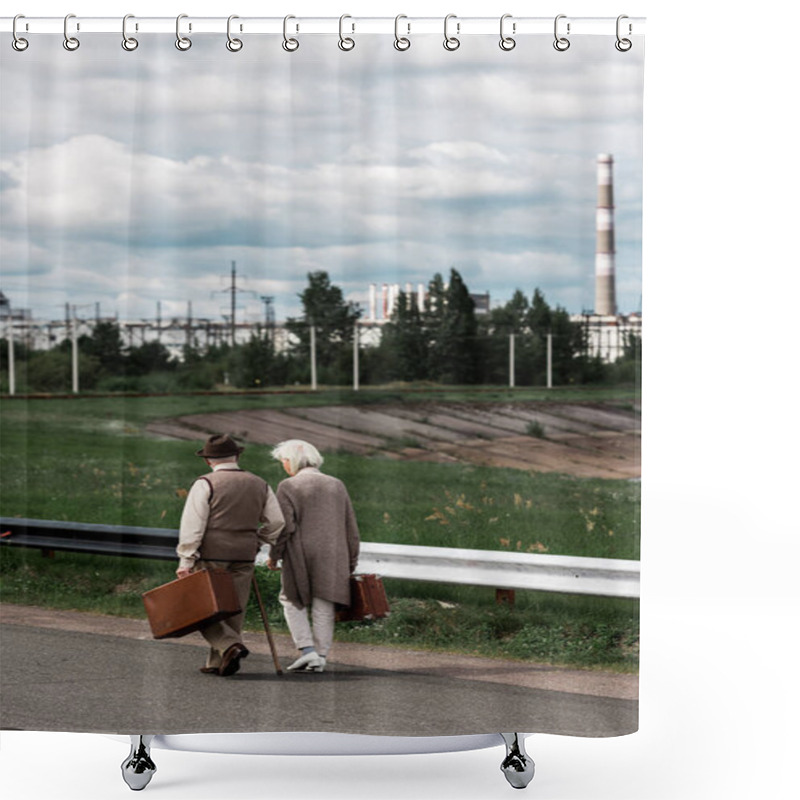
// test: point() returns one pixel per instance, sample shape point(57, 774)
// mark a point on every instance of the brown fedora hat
point(220, 445)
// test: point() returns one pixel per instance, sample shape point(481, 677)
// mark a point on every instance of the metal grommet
point(181, 42)
point(128, 42)
point(401, 42)
point(451, 42)
point(346, 43)
point(507, 42)
point(18, 43)
point(561, 43)
point(623, 45)
point(70, 42)
point(234, 45)
point(289, 45)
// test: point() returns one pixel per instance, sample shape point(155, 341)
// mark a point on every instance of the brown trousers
point(221, 635)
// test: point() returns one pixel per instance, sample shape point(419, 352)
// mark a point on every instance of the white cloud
point(133, 184)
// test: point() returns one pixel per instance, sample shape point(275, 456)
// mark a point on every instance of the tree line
point(444, 342)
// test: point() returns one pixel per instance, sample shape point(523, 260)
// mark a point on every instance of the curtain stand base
point(138, 768)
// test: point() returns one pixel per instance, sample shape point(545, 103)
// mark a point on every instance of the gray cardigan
point(320, 542)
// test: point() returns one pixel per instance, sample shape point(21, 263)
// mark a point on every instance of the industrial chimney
point(604, 289)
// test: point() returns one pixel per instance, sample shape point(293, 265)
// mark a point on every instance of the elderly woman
point(319, 549)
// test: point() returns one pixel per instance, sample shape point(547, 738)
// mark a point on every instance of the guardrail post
point(505, 597)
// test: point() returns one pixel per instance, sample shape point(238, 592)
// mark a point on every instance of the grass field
point(89, 460)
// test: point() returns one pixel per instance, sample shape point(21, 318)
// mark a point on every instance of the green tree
point(256, 365)
point(105, 344)
point(496, 328)
point(452, 329)
point(512, 317)
point(147, 358)
point(334, 322)
point(51, 370)
point(404, 342)
point(539, 317)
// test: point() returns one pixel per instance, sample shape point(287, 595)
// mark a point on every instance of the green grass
point(89, 460)
point(558, 629)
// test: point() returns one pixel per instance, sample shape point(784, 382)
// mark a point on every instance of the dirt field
point(581, 439)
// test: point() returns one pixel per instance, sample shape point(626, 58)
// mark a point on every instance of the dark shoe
point(210, 670)
point(231, 658)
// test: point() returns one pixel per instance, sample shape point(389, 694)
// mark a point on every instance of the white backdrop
point(719, 696)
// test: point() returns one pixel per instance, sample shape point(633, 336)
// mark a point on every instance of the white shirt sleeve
point(193, 523)
point(272, 520)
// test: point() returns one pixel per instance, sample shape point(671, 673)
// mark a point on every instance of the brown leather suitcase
point(189, 604)
point(367, 599)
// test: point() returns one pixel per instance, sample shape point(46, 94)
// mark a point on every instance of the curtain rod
point(457, 26)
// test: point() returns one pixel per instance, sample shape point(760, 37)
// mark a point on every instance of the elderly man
point(229, 514)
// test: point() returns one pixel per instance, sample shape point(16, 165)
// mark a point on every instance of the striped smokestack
point(604, 288)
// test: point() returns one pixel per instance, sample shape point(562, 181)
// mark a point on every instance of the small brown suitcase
point(189, 604)
point(367, 599)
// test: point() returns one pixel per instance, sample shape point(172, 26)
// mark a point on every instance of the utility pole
point(233, 303)
point(75, 381)
point(12, 376)
point(355, 357)
point(313, 345)
point(233, 290)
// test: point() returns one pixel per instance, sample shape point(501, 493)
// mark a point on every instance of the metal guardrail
point(84, 537)
point(497, 569)
point(568, 574)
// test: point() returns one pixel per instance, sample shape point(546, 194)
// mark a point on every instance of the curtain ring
point(18, 43)
point(234, 45)
point(70, 42)
point(289, 45)
point(451, 42)
point(623, 45)
point(345, 42)
point(561, 43)
point(128, 42)
point(181, 42)
point(507, 42)
point(401, 42)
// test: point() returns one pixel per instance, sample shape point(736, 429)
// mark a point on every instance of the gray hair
point(298, 453)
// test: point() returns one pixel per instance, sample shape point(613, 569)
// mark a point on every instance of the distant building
point(608, 335)
point(7, 312)
point(482, 303)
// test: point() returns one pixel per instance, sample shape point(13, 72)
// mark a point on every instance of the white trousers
point(323, 615)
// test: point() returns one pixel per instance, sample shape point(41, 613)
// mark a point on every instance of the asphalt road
point(57, 680)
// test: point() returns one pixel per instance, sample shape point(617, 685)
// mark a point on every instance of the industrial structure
point(604, 267)
point(607, 333)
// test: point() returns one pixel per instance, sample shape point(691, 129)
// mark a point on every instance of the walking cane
point(266, 627)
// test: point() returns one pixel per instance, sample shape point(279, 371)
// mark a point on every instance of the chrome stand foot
point(518, 766)
point(138, 768)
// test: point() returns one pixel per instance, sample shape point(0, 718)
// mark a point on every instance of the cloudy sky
point(129, 179)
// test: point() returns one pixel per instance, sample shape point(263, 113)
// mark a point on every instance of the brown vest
point(235, 506)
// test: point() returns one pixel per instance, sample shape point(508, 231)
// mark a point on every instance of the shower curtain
point(422, 254)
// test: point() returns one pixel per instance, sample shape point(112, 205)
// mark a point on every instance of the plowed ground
point(581, 439)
